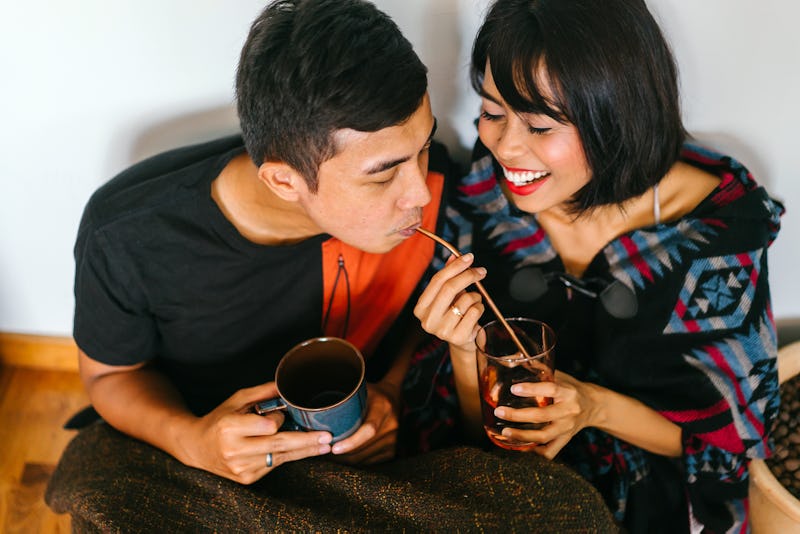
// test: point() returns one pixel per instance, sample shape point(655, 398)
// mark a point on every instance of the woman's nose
point(509, 144)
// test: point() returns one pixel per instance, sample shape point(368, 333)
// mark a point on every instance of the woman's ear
point(282, 179)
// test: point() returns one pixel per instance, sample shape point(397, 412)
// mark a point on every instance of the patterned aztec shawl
point(701, 349)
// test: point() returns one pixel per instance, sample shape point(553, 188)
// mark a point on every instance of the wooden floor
point(34, 404)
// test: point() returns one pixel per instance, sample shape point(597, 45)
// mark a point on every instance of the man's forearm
point(143, 404)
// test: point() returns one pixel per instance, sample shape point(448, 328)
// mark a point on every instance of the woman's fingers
point(445, 285)
point(445, 309)
point(465, 328)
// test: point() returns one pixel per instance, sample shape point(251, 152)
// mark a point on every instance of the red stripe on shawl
point(746, 261)
point(680, 311)
point(726, 178)
point(722, 363)
point(478, 188)
point(523, 242)
point(725, 438)
point(685, 416)
point(636, 257)
point(729, 190)
point(715, 222)
point(680, 308)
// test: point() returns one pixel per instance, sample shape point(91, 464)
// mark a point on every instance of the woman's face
point(542, 159)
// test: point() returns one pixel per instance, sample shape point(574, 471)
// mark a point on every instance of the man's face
point(371, 194)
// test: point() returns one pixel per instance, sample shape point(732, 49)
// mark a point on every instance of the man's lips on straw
point(408, 231)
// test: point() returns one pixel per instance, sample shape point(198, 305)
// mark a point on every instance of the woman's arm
point(436, 309)
point(577, 405)
point(465, 374)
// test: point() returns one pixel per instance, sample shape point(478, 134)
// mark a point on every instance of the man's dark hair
point(311, 67)
point(611, 74)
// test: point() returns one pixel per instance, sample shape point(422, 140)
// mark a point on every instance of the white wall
point(89, 87)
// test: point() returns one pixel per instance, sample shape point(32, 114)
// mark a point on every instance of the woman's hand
point(233, 442)
point(577, 405)
point(376, 439)
point(572, 410)
point(446, 310)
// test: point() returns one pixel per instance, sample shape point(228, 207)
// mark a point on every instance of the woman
point(645, 253)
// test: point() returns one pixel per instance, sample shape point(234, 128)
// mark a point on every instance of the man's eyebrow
point(386, 165)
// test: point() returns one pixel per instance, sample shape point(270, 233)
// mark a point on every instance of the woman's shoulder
point(684, 188)
point(735, 200)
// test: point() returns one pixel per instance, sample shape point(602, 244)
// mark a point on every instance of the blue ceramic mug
point(321, 386)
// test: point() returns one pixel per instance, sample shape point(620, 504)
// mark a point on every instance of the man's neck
point(257, 213)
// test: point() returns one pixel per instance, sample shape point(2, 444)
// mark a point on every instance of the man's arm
point(230, 441)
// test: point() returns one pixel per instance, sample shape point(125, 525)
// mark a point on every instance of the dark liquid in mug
point(319, 384)
point(325, 399)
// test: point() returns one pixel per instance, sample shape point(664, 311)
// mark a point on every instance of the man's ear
point(282, 179)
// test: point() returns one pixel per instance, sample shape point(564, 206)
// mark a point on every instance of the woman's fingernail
point(467, 258)
point(481, 270)
point(516, 389)
point(325, 438)
point(500, 412)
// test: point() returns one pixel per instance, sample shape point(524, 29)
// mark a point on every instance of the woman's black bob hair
point(611, 74)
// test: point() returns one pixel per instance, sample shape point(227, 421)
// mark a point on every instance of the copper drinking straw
point(480, 287)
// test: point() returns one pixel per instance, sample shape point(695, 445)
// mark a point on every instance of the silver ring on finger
point(456, 311)
point(269, 459)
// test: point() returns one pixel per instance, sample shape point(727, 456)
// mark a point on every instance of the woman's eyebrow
point(482, 92)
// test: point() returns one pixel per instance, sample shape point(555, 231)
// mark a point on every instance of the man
point(197, 269)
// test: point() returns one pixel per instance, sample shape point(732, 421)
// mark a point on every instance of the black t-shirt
point(163, 276)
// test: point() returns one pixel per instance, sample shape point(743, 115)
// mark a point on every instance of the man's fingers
point(290, 441)
point(282, 456)
point(243, 399)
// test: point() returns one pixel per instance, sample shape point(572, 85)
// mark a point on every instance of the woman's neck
point(578, 239)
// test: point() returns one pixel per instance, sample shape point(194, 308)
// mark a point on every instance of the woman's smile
point(524, 182)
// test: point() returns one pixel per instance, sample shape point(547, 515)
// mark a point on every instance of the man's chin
point(386, 246)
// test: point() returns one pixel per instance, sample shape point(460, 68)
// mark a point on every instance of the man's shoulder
point(167, 177)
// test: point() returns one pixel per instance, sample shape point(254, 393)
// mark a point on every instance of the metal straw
point(480, 287)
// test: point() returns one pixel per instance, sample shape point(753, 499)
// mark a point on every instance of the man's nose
point(416, 194)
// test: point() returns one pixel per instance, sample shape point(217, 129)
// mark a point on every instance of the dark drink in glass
point(501, 365)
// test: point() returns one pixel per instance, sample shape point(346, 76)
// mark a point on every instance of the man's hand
point(233, 442)
point(376, 439)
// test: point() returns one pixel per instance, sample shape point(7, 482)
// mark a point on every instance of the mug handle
point(268, 406)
